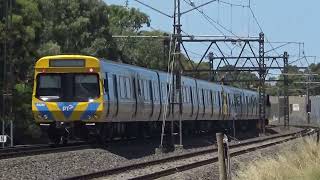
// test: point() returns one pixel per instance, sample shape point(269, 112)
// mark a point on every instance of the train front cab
point(67, 95)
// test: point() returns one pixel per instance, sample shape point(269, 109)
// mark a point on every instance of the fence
point(297, 110)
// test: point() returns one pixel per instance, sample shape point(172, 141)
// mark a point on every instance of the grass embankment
point(300, 161)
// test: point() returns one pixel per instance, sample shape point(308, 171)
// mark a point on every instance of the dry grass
point(301, 161)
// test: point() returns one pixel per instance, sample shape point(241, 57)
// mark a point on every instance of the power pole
point(308, 99)
point(177, 70)
point(286, 91)
point(262, 78)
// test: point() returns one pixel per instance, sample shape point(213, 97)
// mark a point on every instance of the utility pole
point(262, 77)
point(285, 90)
point(308, 99)
point(177, 70)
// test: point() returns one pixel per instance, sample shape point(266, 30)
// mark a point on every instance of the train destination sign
point(67, 63)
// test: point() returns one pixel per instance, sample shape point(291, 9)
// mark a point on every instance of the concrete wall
point(297, 116)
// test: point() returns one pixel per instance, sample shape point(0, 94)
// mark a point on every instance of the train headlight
point(45, 117)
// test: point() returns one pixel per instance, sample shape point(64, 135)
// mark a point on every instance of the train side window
point(219, 98)
point(203, 92)
point(211, 98)
point(191, 98)
point(128, 88)
point(150, 90)
point(195, 95)
point(188, 95)
point(164, 91)
point(146, 92)
point(156, 85)
point(143, 92)
point(139, 87)
point(201, 96)
point(105, 84)
point(213, 94)
point(115, 86)
point(185, 94)
point(207, 97)
point(154, 89)
point(247, 104)
point(168, 92)
point(122, 87)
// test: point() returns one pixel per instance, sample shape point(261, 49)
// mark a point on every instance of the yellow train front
point(67, 95)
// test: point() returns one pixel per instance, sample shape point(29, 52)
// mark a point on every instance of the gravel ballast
point(65, 164)
point(211, 172)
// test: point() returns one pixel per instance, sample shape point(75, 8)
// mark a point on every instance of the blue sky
point(285, 20)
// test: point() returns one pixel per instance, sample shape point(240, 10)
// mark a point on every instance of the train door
point(125, 98)
point(111, 95)
point(156, 99)
point(144, 99)
point(139, 99)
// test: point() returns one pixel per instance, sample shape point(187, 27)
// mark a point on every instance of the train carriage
point(75, 94)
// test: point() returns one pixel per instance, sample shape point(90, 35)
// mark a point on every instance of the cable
point(257, 22)
point(150, 7)
point(233, 4)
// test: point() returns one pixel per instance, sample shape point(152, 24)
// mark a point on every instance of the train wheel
point(64, 140)
point(53, 135)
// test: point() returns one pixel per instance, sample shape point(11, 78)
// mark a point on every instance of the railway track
point(20, 151)
point(170, 165)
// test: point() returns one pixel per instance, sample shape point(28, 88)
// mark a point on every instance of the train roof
point(162, 72)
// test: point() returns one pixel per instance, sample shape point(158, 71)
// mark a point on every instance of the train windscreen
point(67, 87)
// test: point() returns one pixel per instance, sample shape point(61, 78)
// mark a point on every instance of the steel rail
point(136, 166)
point(170, 171)
point(40, 149)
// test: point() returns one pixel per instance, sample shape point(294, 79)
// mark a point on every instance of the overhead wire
point(257, 22)
point(150, 7)
point(213, 22)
